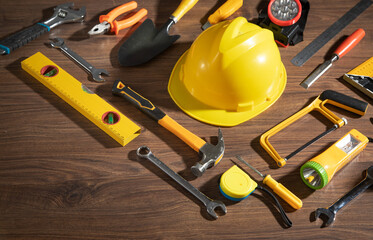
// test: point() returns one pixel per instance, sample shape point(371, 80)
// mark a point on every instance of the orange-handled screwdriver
point(277, 187)
point(342, 49)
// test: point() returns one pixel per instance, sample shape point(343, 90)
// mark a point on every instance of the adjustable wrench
point(95, 73)
point(333, 209)
point(62, 14)
point(210, 204)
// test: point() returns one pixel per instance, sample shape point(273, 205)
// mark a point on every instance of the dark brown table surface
point(61, 177)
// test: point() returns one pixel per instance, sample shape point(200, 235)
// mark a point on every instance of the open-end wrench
point(333, 209)
point(63, 13)
point(210, 204)
point(95, 73)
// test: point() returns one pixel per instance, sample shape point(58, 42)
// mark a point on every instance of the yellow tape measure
point(93, 107)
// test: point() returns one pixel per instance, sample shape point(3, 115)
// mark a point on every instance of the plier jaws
point(108, 22)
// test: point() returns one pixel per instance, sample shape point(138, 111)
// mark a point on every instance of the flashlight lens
point(312, 177)
point(284, 12)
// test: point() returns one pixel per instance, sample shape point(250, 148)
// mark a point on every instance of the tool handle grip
point(136, 99)
point(350, 42)
point(343, 101)
point(188, 137)
point(158, 115)
point(22, 37)
point(283, 192)
point(183, 8)
point(119, 25)
point(226, 10)
point(118, 11)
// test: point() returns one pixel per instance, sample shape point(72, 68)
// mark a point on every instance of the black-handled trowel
point(147, 42)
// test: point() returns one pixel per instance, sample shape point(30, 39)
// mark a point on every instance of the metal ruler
point(329, 33)
point(93, 107)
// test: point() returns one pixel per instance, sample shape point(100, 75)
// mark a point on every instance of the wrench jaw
point(328, 213)
point(57, 43)
point(212, 205)
point(96, 75)
point(211, 156)
point(64, 13)
point(143, 152)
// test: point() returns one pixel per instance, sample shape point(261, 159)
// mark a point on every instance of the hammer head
point(64, 13)
point(211, 156)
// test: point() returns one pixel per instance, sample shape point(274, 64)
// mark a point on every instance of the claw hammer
point(63, 13)
point(210, 154)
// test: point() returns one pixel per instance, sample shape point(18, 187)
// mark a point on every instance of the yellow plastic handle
point(283, 192)
point(226, 10)
point(188, 137)
point(183, 8)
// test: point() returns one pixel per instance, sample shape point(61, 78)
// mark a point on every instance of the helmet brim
point(207, 114)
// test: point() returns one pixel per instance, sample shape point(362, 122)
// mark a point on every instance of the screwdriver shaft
point(247, 164)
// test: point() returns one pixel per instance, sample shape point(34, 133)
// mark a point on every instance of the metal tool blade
point(316, 74)
point(247, 164)
point(146, 43)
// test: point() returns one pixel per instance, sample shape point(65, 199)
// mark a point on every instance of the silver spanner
point(63, 13)
point(210, 204)
point(95, 73)
point(331, 212)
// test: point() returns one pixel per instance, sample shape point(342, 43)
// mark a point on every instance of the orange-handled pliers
point(108, 22)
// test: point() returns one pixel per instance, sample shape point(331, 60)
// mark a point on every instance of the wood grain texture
point(61, 177)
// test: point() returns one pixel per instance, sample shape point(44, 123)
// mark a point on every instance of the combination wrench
point(331, 212)
point(210, 204)
point(95, 73)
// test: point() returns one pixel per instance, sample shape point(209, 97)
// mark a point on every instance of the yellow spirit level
point(101, 113)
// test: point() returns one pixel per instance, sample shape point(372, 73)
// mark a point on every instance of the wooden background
point(61, 177)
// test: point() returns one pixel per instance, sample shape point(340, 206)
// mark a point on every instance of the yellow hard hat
point(231, 73)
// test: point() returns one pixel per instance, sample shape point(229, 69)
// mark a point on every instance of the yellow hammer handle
point(283, 192)
point(183, 8)
point(226, 10)
point(188, 137)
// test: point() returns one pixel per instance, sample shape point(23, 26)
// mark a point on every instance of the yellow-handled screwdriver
point(277, 187)
point(223, 12)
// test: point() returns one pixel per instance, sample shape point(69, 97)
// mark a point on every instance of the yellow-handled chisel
point(277, 187)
